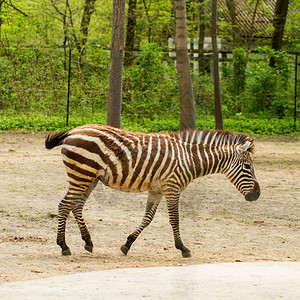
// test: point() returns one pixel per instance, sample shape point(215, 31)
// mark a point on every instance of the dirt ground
point(217, 224)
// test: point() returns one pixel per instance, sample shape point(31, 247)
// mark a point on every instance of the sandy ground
point(217, 224)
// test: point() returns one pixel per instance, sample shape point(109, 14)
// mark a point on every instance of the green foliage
point(154, 22)
point(252, 86)
point(155, 124)
point(34, 71)
point(270, 90)
point(255, 126)
point(250, 125)
point(259, 91)
point(235, 71)
point(234, 79)
point(45, 122)
point(292, 26)
point(150, 85)
point(35, 80)
point(203, 87)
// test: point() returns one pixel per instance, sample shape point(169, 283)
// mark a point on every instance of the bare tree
point(187, 107)
point(66, 16)
point(9, 3)
point(218, 105)
point(116, 64)
point(63, 15)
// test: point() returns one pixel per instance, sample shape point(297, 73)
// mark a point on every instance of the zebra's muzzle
point(254, 193)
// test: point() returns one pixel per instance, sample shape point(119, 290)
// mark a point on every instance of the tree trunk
point(201, 57)
point(65, 30)
point(130, 35)
point(88, 11)
point(147, 8)
point(63, 14)
point(187, 107)
point(231, 4)
point(1, 2)
point(218, 104)
point(191, 15)
point(116, 64)
point(278, 24)
point(252, 24)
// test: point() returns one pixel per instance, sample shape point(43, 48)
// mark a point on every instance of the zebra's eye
point(247, 166)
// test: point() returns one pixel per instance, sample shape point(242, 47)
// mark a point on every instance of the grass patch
point(252, 126)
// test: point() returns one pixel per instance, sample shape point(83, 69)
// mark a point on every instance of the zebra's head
point(241, 172)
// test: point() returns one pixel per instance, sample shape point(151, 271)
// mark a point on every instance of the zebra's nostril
point(254, 193)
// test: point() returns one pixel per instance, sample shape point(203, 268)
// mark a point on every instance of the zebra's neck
point(212, 151)
point(211, 159)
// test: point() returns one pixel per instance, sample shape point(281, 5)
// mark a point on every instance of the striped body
point(162, 164)
point(126, 161)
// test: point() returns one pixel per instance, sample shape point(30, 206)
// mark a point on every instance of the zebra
point(163, 164)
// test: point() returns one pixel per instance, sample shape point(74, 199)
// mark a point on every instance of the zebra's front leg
point(152, 204)
point(172, 198)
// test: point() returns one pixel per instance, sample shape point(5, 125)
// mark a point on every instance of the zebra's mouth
point(254, 194)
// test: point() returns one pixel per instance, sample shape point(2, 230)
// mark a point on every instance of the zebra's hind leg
point(73, 201)
point(172, 198)
point(65, 206)
point(77, 212)
point(152, 204)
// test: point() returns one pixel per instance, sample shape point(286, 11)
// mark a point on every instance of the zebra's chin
point(254, 194)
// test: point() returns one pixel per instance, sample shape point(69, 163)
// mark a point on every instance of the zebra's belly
point(143, 188)
point(128, 186)
point(134, 190)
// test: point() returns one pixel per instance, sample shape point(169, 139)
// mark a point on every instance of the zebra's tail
point(55, 139)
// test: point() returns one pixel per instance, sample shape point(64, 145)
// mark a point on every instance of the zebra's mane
point(216, 137)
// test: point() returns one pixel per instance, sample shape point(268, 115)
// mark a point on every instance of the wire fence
point(55, 82)
point(37, 80)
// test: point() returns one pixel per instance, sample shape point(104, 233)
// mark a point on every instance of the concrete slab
point(259, 280)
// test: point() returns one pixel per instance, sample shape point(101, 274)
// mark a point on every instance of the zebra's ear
point(244, 147)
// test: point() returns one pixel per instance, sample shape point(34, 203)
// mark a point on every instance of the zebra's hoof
point(66, 252)
point(88, 248)
point(186, 254)
point(124, 249)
